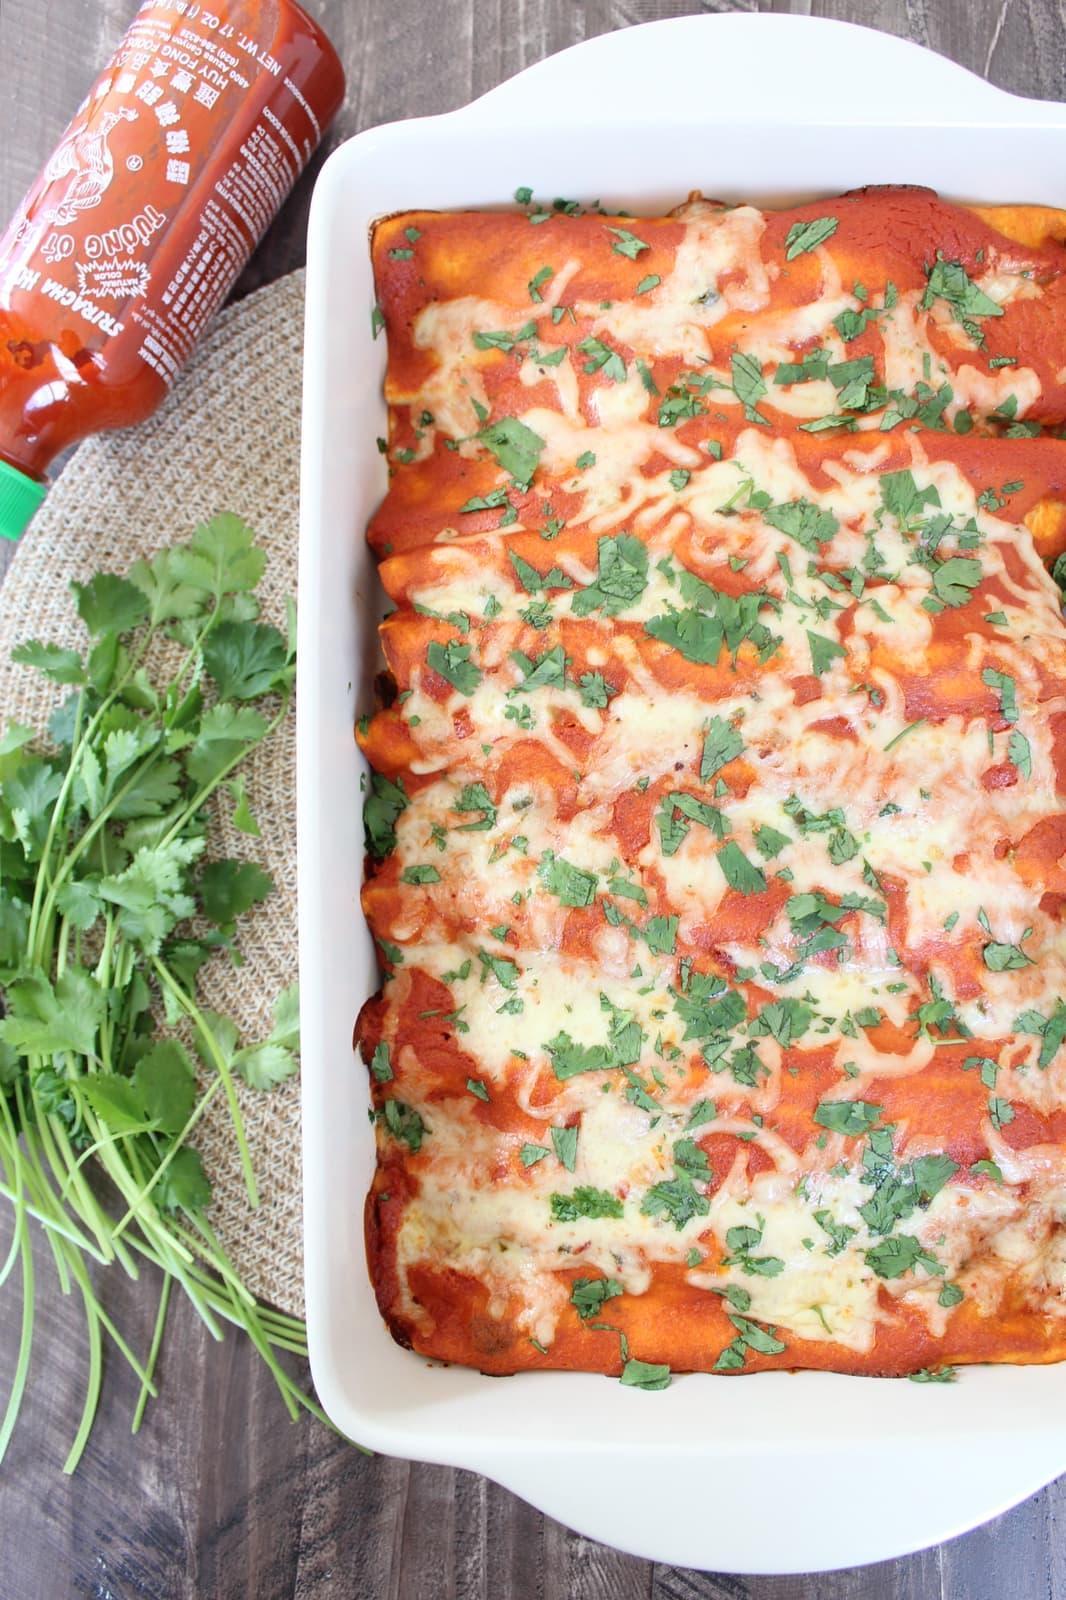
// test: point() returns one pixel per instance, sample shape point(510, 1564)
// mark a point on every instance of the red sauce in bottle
point(158, 192)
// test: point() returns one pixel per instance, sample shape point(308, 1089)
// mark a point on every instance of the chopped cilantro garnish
point(601, 358)
point(621, 577)
point(852, 1117)
point(548, 670)
point(803, 521)
point(947, 281)
point(721, 744)
point(624, 1041)
point(748, 385)
point(627, 244)
point(1004, 685)
point(955, 579)
point(645, 1375)
point(381, 1063)
point(452, 662)
point(420, 874)
point(824, 652)
point(565, 1143)
point(404, 1123)
point(901, 1253)
point(516, 448)
point(595, 690)
point(384, 804)
point(740, 873)
point(572, 885)
point(585, 1202)
point(805, 236)
point(588, 1295)
point(475, 797)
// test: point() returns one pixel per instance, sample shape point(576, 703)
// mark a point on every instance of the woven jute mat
point(227, 439)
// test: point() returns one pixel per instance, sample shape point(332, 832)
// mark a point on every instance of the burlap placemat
point(226, 440)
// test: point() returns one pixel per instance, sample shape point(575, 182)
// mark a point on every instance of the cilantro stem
point(195, 1016)
point(18, 1386)
point(52, 1140)
point(92, 1387)
point(902, 734)
point(147, 1387)
point(35, 942)
point(142, 1196)
point(55, 1223)
point(117, 790)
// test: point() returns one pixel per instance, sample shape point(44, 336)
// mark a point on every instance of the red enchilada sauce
point(130, 239)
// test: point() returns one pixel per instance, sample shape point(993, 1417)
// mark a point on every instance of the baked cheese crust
point(717, 851)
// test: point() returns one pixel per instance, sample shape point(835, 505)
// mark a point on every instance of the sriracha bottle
point(158, 192)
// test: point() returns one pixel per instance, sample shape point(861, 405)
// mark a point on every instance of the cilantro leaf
point(565, 1143)
point(62, 666)
point(1005, 957)
point(595, 690)
point(645, 1375)
point(572, 885)
point(230, 888)
point(955, 579)
point(749, 385)
point(381, 1063)
point(109, 604)
point(805, 236)
point(225, 733)
point(627, 244)
point(622, 1049)
point(420, 872)
point(621, 577)
point(404, 1123)
point(452, 662)
point(824, 652)
point(589, 1295)
point(475, 797)
point(165, 1082)
point(721, 744)
point(546, 671)
point(900, 1253)
point(220, 558)
point(852, 1117)
point(246, 659)
point(1004, 685)
point(385, 803)
point(740, 873)
point(516, 447)
point(44, 1019)
point(603, 359)
point(808, 524)
point(1020, 752)
point(948, 281)
point(585, 1201)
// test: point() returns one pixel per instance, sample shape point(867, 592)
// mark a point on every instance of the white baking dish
point(776, 1473)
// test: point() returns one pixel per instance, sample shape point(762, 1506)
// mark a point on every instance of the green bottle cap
point(20, 495)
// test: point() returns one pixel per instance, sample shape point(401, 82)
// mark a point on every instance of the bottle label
point(162, 185)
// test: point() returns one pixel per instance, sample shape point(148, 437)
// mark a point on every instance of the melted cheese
point(895, 845)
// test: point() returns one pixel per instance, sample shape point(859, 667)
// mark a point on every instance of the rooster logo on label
point(86, 158)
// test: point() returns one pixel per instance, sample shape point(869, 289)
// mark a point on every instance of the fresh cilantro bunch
point(109, 907)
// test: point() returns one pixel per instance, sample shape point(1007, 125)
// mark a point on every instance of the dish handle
point(725, 66)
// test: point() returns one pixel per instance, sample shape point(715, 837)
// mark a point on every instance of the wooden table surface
point(219, 1495)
